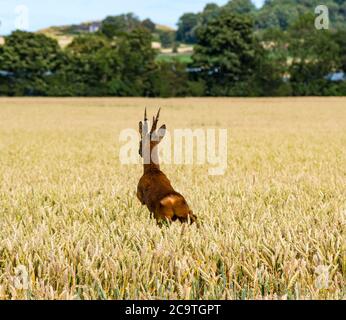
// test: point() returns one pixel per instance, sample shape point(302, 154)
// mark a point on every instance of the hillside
point(65, 34)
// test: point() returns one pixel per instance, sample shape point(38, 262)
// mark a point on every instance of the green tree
point(149, 25)
point(277, 15)
point(171, 80)
point(240, 7)
point(137, 60)
point(340, 39)
point(225, 51)
point(31, 58)
point(271, 73)
point(87, 44)
point(167, 38)
point(210, 11)
point(97, 67)
point(284, 13)
point(93, 69)
point(314, 55)
point(114, 26)
point(187, 25)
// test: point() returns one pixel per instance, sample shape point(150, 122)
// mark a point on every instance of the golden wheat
point(273, 227)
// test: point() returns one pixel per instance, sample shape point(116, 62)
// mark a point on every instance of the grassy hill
point(65, 34)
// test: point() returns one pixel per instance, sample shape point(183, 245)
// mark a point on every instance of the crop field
point(272, 227)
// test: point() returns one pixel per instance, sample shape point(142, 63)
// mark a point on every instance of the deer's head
point(150, 138)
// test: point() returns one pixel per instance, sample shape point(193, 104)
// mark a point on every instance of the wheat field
point(272, 227)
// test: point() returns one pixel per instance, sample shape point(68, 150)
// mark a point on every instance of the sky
point(33, 15)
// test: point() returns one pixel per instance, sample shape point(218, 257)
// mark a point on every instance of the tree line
point(231, 58)
point(280, 14)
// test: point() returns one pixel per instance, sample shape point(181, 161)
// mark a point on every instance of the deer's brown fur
point(154, 188)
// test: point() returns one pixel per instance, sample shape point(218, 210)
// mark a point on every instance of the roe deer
point(154, 189)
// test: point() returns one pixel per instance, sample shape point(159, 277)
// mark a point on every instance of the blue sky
point(45, 13)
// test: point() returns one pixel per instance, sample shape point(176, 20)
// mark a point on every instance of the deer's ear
point(159, 134)
point(162, 132)
point(141, 128)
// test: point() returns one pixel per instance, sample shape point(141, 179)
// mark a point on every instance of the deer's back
point(154, 186)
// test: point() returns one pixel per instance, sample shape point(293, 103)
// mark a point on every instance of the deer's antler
point(145, 115)
point(155, 122)
point(145, 124)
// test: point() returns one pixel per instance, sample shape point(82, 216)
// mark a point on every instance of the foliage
point(232, 56)
point(93, 68)
point(114, 26)
point(149, 25)
point(283, 13)
point(340, 39)
point(187, 25)
point(314, 54)
point(225, 51)
point(271, 72)
point(167, 38)
point(240, 7)
point(30, 57)
point(87, 44)
point(273, 14)
point(171, 80)
point(210, 12)
point(138, 63)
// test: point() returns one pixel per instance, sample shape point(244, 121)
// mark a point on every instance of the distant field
point(273, 227)
point(180, 57)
